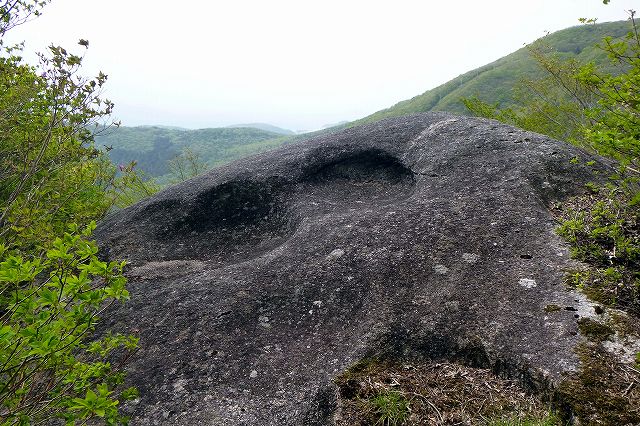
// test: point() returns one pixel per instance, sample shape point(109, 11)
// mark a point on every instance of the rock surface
point(426, 236)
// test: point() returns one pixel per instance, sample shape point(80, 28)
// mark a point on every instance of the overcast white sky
point(292, 63)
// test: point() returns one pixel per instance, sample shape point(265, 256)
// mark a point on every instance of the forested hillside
point(154, 147)
point(494, 82)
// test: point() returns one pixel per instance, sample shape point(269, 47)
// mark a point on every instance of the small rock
point(527, 283)
point(336, 254)
point(441, 269)
point(470, 257)
point(178, 385)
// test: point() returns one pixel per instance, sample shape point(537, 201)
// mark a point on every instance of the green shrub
point(53, 185)
point(49, 306)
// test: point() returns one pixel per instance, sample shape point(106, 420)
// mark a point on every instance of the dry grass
point(435, 394)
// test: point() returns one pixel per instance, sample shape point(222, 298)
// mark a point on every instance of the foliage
point(616, 119)
point(50, 173)
point(17, 12)
point(53, 184)
point(49, 306)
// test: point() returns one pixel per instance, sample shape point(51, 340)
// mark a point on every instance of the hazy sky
point(295, 64)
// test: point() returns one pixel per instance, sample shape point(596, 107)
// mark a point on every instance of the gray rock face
point(427, 236)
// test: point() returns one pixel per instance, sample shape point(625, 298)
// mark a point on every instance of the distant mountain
point(265, 127)
point(152, 146)
point(339, 123)
point(161, 126)
point(494, 82)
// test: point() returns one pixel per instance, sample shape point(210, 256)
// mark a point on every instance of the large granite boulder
point(426, 236)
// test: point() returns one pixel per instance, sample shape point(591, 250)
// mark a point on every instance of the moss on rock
point(604, 391)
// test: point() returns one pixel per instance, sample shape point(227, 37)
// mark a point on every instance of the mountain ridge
point(262, 126)
point(494, 81)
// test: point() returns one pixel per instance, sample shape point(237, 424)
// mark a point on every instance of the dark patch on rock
point(427, 236)
point(238, 217)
